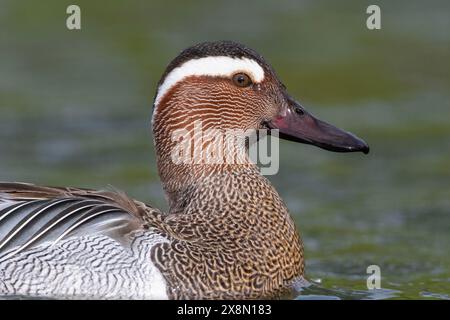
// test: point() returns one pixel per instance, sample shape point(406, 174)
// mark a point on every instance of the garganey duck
point(227, 234)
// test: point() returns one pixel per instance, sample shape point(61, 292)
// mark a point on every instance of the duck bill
point(296, 124)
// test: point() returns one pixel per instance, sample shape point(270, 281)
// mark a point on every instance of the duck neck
point(181, 181)
point(189, 156)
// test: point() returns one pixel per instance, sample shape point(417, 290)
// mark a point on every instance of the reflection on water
point(75, 110)
point(315, 292)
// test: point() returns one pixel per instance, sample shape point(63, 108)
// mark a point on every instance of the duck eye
point(242, 80)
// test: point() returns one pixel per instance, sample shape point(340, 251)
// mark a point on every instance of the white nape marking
point(221, 66)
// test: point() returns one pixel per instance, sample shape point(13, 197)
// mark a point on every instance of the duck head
point(227, 86)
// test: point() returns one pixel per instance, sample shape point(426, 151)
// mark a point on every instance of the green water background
point(75, 110)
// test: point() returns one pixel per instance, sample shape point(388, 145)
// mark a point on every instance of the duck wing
point(77, 243)
point(31, 215)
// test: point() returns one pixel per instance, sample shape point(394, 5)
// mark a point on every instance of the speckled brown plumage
point(244, 247)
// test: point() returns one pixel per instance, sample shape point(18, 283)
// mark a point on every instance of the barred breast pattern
point(94, 267)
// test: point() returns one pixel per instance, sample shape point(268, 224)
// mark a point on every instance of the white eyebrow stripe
point(221, 66)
